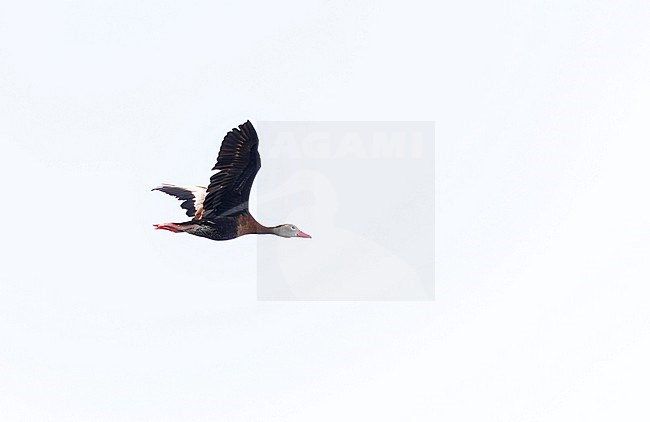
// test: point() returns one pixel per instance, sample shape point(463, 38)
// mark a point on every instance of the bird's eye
point(293, 227)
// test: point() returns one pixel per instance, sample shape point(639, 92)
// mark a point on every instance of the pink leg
point(172, 227)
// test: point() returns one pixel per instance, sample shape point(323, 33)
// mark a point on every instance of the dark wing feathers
point(238, 163)
point(192, 196)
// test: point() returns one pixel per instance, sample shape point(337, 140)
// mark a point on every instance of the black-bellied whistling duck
point(220, 212)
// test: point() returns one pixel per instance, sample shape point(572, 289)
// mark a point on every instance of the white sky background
point(542, 212)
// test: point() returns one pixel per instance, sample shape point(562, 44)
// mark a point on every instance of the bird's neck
point(260, 228)
point(266, 230)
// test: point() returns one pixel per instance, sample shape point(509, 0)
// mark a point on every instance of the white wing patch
point(192, 197)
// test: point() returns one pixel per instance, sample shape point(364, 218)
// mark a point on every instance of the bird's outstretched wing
point(238, 163)
point(192, 197)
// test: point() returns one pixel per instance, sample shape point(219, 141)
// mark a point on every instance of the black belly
point(219, 229)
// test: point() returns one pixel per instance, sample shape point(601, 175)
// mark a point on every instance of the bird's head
point(289, 230)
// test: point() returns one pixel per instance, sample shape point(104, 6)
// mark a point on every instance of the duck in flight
point(220, 212)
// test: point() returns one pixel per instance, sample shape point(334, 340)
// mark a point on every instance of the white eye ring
point(293, 227)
